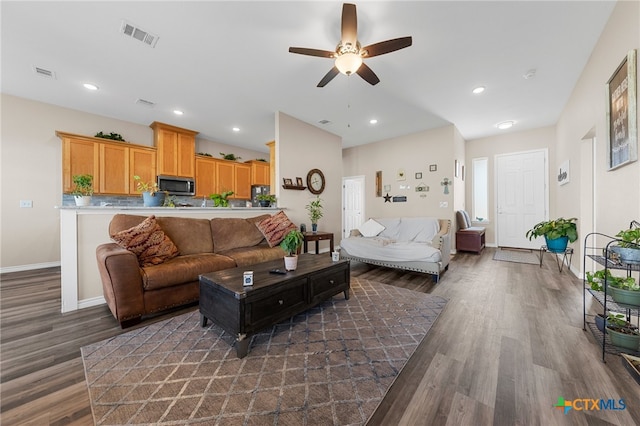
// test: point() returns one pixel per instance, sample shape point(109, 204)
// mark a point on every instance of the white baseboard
point(94, 301)
point(29, 267)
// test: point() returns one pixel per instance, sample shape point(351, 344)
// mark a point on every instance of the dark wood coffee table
point(243, 311)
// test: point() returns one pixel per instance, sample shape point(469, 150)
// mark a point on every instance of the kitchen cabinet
point(242, 184)
point(233, 176)
point(272, 165)
point(114, 176)
point(260, 172)
point(142, 162)
point(205, 176)
point(79, 157)
point(176, 150)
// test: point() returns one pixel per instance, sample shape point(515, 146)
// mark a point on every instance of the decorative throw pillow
point(275, 228)
point(148, 242)
point(370, 228)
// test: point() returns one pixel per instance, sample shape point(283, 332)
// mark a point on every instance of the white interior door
point(521, 197)
point(352, 203)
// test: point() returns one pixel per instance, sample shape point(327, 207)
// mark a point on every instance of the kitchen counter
point(168, 209)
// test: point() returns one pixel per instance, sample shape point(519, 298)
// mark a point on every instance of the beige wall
point(301, 147)
point(31, 169)
point(617, 192)
point(411, 153)
point(543, 138)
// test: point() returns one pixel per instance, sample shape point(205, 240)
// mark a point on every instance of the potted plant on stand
point(557, 233)
point(315, 212)
point(291, 245)
point(265, 200)
point(628, 248)
point(83, 189)
point(151, 194)
point(621, 332)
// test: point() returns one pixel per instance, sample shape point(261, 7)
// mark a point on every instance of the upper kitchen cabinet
point(114, 169)
point(205, 176)
point(176, 150)
point(80, 156)
point(142, 162)
point(260, 174)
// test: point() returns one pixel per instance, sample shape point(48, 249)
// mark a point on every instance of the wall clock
point(315, 181)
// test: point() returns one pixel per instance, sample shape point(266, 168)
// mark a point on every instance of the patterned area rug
point(517, 256)
point(331, 365)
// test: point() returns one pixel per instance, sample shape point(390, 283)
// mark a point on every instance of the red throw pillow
point(275, 228)
point(148, 242)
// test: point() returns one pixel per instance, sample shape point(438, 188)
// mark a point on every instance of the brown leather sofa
point(205, 245)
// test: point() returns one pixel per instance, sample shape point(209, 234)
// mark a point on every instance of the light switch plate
point(26, 204)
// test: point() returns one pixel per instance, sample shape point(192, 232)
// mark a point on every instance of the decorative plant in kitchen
point(315, 212)
point(112, 136)
point(83, 189)
point(265, 200)
point(291, 245)
point(151, 194)
point(231, 157)
point(220, 200)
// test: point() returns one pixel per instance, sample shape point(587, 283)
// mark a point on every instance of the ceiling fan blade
point(328, 77)
point(387, 46)
point(349, 24)
point(312, 52)
point(370, 77)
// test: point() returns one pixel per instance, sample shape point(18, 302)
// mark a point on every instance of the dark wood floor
point(508, 344)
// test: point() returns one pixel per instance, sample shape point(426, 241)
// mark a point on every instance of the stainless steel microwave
point(177, 185)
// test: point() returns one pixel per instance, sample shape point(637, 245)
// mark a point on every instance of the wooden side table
point(317, 237)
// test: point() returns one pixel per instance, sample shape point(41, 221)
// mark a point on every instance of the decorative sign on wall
point(563, 173)
point(400, 199)
point(622, 135)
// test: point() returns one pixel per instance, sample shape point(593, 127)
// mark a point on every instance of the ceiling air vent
point(44, 72)
point(131, 30)
point(324, 122)
point(146, 103)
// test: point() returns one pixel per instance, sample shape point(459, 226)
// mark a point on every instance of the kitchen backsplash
point(136, 201)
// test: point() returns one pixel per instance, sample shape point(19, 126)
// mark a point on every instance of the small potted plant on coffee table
point(557, 233)
point(83, 189)
point(291, 245)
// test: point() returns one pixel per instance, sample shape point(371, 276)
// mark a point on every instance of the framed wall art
point(622, 119)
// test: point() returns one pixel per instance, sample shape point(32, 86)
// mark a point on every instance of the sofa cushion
point(275, 228)
point(463, 219)
point(190, 235)
point(247, 256)
point(370, 228)
point(391, 227)
point(147, 241)
point(183, 269)
point(419, 229)
point(230, 232)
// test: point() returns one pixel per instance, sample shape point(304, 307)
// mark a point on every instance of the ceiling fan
point(349, 54)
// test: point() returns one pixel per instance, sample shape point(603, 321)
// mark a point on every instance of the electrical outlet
point(26, 204)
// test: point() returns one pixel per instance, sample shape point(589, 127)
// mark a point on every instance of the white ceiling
point(227, 64)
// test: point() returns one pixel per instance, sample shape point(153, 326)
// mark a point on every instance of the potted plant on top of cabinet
point(557, 233)
point(291, 245)
point(315, 212)
point(151, 194)
point(628, 248)
point(83, 189)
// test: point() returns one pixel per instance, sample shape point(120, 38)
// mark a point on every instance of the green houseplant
point(557, 233)
point(151, 194)
point(315, 212)
point(628, 247)
point(83, 189)
point(220, 200)
point(265, 200)
point(621, 332)
point(291, 245)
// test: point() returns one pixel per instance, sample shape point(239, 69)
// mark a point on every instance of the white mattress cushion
point(370, 228)
point(391, 227)
point(371, 248)
point(419, 229)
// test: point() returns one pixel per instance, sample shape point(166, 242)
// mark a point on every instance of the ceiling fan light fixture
point(348, 63)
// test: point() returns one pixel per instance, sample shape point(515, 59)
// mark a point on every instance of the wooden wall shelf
point(299, 188)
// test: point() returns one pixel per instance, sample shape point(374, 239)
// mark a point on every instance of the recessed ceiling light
point(478, 90)
point(236, 129)
point(178, 112)
point(90, 86)
point(505, 125)
point(373, 121)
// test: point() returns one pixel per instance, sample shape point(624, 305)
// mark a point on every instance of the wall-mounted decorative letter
point(446, 182)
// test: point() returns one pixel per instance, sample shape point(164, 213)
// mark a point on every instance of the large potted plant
point(291, 245)
point(628, 247)
point(315, 212)
point(151, 194)
point(557, 233)
point(83, 189)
